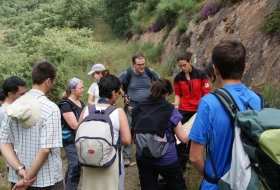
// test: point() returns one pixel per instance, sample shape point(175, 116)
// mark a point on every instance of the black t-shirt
point(69, 106)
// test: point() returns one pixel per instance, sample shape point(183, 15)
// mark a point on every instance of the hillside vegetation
point(72, 34)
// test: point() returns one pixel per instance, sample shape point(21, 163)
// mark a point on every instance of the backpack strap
point(228, 102)
point(91, 109)
point(128, 77)
point(110, 109)
point(231, 108)
point(150, 74)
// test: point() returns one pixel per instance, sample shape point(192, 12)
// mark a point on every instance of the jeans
point(172, 173)
point(127, 150)
point(73, 173)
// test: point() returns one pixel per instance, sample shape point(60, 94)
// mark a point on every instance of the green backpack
point(255, 148)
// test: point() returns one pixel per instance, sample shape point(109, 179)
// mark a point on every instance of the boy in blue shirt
point(212, 126)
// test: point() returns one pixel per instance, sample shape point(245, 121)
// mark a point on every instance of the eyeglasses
point(140, 65)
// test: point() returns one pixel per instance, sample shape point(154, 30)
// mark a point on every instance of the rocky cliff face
point(240, 22)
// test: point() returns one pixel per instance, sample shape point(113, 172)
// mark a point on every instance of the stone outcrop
point(240, 21)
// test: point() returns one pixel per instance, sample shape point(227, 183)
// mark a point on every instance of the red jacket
point(190, 91)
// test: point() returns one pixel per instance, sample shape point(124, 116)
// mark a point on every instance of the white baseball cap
point(97, 67)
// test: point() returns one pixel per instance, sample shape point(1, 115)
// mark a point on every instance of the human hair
point(12, 84)
point(105, 73)
point(161, 87)
point(107, 85)
point(137, 56)
point(229, 58)
point(2, 96)
point(209, 71)
point(184, 56)
point(42, 71)
point(71, 84)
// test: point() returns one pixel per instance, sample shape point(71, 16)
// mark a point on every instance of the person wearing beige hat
point(97, 71)
point(30, 137)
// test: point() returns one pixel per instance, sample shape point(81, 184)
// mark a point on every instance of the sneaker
point(126, 162)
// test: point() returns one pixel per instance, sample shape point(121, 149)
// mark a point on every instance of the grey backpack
point(151, 145)
point(94, 138)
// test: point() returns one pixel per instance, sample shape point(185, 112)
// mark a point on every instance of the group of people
point(34, 128)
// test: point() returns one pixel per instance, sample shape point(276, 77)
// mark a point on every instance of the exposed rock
point(241, 22)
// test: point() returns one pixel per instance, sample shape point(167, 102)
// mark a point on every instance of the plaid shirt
point(27, 142)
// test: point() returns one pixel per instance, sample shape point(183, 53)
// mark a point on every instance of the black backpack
point(129, 74)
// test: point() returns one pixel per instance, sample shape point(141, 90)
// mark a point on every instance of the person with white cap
point(30, 138)
point(97, 71)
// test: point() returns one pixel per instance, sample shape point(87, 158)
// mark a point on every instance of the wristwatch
point(19, 168)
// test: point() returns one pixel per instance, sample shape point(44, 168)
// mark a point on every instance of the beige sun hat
point(26, 109)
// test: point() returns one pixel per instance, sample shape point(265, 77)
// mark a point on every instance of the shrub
point(271, 24)
point(182, 23)
point(209, 9)
point(158, 25)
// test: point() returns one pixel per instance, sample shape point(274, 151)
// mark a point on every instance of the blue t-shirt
point(139, 85)
point(212, 127)
point(171, 154)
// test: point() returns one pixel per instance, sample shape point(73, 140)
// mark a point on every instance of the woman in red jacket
point(189, 86)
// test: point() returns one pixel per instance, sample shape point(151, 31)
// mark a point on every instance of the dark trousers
point(57, 186)
point(172, 173)
point(183, 150)
point(73, 172)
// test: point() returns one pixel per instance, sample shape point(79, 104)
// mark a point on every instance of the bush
point(158, 25)
point(182, 23)
point(210, 9)
point(271, 24)
point(152, 52)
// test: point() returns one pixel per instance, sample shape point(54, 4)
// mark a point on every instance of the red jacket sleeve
point(205, 87)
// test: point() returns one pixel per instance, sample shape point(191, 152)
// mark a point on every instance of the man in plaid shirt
point(33, 148)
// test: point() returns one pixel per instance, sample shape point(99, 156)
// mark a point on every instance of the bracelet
point(19, 168)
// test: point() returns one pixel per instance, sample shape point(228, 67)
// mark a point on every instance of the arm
point(205, 86)
point(10, 156)
point(38, 162)
point(126, 99)
point(71, 120)
point(197, 157)
point(176, 101)
point(82, 116)
point(90, 99)
point(124, 128)
point(177, 94)
point(181, 134)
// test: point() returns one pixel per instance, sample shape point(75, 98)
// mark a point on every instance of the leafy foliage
point(271, 24)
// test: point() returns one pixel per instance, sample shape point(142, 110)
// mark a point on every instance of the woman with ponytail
point(156, 115)
point(71, 108)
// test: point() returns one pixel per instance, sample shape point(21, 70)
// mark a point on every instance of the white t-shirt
point(94, 90)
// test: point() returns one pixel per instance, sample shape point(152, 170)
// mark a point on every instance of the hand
point(31, 181)
point(175, 105)
point(126, 99)
point(20, 185)
point(22, 173)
